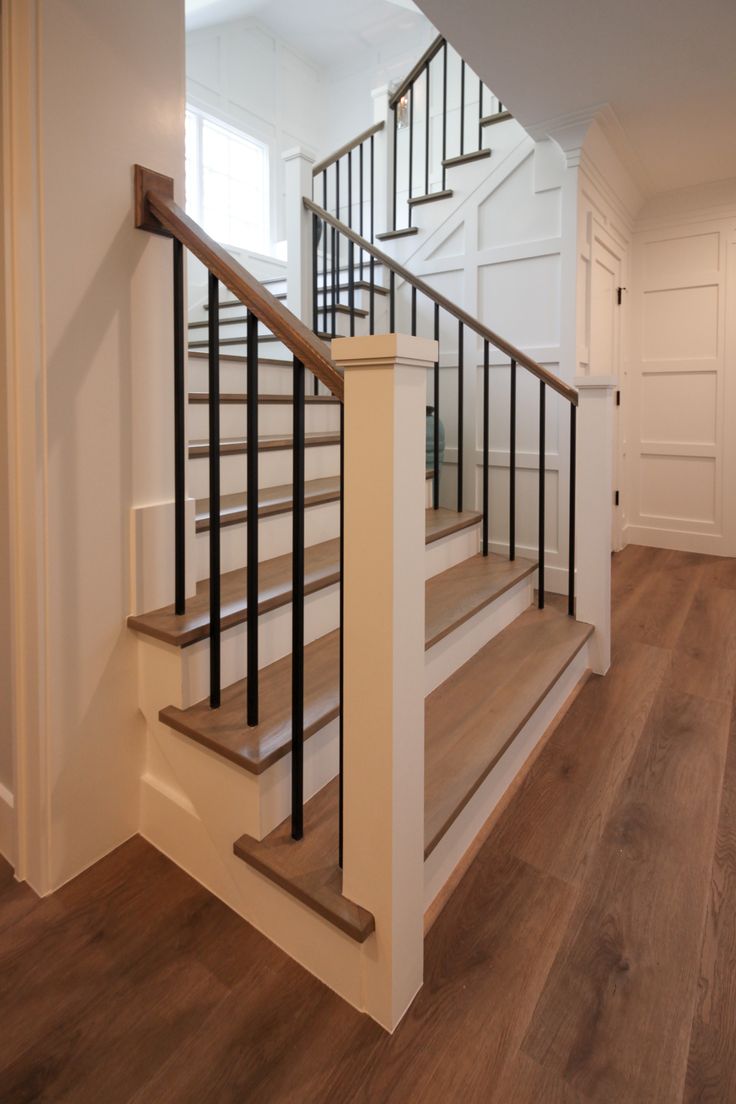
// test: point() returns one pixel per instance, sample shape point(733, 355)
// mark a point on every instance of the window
point(227, 183)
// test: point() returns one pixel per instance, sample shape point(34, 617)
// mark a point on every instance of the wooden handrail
point(473, 324)
point(326, 162)
point(408, 80)
point(156, 209)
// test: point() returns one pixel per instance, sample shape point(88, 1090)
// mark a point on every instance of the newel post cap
point(381, 350)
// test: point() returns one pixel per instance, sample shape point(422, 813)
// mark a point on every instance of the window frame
point(195, 204)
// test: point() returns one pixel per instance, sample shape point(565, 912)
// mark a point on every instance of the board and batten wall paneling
point(685, 375)
point(243, 74)
point(498, 254)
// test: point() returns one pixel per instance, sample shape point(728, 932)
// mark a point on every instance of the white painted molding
point(594, 512)
point(298, 170)
point(383, 627)
point(568, 131)
point(7, 825)
point(27, 452)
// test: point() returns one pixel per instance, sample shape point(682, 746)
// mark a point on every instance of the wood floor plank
point(711, 1064)
point(561, 810)
point(656, 607)
point(704, 657)
point(628, 968)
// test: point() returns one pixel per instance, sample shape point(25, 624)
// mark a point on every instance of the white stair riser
point(269, 349)
point(274, 467)
point(449, 654)
point(273, 419)
point(273, 379)
point(453, 549)
point(321, 523)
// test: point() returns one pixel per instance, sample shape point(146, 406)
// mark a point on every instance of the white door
point(607, 298)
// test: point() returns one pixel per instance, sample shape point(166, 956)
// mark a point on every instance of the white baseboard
point(7, 825)
point(678, 540)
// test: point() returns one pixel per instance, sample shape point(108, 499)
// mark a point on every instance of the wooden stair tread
point(456, 595)
point(274, 500)
point(499, 117)
point(387, 235)
point(224, 730)
point(466, 158)
point(240, 398)
point(429, 197)
point(241, 358)
point(472, 718)
point(271, 500)
point(442, 522)
point(321, 569)
point(308, 869)
point(263, 338)
point(450, 599)
point(269, 442)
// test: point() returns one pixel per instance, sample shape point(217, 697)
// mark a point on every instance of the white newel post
point(298, 172)
point(383, 867)
point(594, 498)
point(383, 152)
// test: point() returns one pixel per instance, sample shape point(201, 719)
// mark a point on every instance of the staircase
point(242, 678)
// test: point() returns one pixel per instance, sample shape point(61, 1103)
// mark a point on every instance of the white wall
point(682, 459)
point(500, 256)
point(112, 93)
point(242, 73)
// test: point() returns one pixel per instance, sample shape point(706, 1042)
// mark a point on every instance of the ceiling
point(667, 68)
point(330, 33)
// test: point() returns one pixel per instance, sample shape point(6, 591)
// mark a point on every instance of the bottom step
point(308, 868)
point(470, 721)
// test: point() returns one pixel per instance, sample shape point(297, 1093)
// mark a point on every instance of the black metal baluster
point(486, 434)
point(571, 533)
point(392, 302)
point(252, 571)
point(411, 148)
point(372, 305)
point(444, 115)
point(460, 427)
point(324, 248)
point(512, 464)
point(436, 444)
point(395, 166)
point(542, 463)
point(214, 474)
point(333, 292)
point(336, 259)
point(360, 204)
point(426, 132)
point(350, 189)
point(341, 644)
point(413, 312)
point(373, 180)
point(480, 114)
point(351, 285)
point(297, 609)
point(462, 107)
point(315, 275)
point(180, 444)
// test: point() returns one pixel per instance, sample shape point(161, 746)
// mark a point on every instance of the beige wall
point(112, 93)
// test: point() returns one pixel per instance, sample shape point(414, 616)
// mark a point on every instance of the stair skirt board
point(449, 853)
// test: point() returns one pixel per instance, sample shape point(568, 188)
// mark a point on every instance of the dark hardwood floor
point(588, 954)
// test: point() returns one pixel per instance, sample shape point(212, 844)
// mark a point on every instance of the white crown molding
point(568, 131)
point(608, 121)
